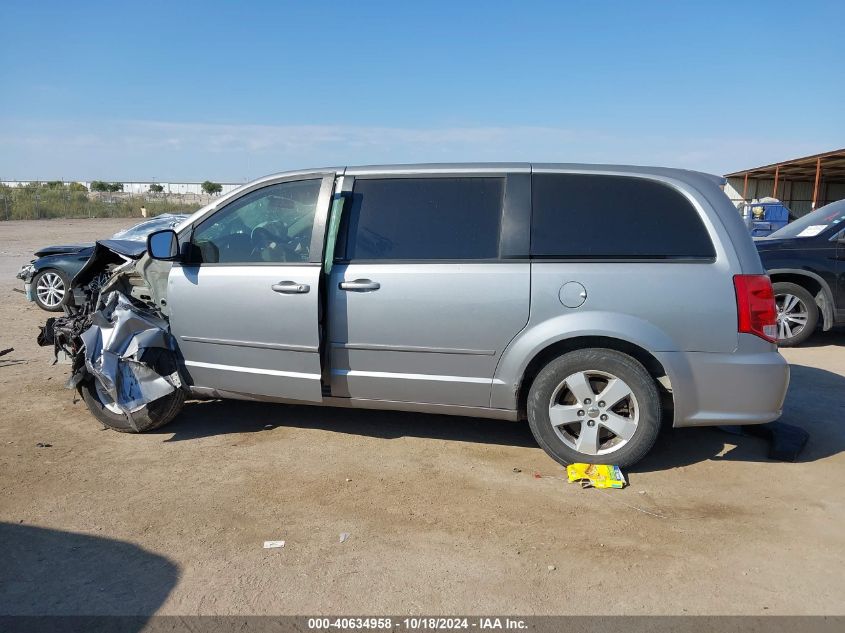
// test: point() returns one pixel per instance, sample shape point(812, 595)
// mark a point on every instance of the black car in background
point(47, 277)
point(806, 262)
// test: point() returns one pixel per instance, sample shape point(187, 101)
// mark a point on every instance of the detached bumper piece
point(25, 274)
point(786, 441)
point(126, 348)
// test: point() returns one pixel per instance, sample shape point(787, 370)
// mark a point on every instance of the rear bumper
point(726, 389)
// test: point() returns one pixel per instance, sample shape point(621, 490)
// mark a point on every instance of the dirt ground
point(440, 521)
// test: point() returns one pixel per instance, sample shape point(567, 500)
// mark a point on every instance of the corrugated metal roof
point(804, 168)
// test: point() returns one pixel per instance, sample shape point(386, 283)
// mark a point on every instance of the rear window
point(576, 216)
point(424, 218)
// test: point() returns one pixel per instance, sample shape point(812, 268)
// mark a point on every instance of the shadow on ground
point(49, 572)
point(814, 402)
point(819, 338)
point(218, 417)
point(10, 362)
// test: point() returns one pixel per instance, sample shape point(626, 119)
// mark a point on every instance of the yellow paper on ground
point(596, 475)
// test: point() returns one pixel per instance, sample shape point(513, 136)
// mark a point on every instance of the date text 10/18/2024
point(417, 623)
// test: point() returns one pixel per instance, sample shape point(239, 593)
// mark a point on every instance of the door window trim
point(318, 229)
point(514, 223)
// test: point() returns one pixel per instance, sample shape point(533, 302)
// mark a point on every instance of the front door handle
point(290, 287)
point(359, 285)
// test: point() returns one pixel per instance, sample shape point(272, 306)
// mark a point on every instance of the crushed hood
point(108, 252)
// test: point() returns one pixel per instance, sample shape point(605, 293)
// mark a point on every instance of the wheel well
point(651, 364)
point(805, 281)
point(49, 269)
point(815, 288)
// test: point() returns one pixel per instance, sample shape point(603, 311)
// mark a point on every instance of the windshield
point(814, 223)
point(139, 232)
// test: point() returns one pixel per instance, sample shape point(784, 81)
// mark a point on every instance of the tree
point(77, 186)
point(211, 188)
point(156, 188)
point(111, 187)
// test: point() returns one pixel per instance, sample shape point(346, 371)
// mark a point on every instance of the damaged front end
point(124, 360)
point(25, 274)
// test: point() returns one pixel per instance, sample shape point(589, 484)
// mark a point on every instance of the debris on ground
point(44, 445)
point(786, 441)
point(552, 567)
point(344, 536)
point(7, 351)
point(517, 470)
point(273, 544)
point(596, 475)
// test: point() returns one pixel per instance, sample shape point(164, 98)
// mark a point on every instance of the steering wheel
point(269, 247)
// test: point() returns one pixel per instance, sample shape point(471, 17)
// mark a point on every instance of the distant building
point(138, 187)
point(802, 184)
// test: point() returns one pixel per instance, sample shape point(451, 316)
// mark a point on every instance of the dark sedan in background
point(47, 277)
point(806, 262)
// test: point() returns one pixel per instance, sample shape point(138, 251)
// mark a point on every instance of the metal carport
point(803, 184)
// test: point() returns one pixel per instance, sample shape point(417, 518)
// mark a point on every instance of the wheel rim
point(50, 289)
point(105, 399)
point(792, 315)
point(594, 412)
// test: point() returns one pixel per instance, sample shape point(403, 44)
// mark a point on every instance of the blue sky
point(231, 91)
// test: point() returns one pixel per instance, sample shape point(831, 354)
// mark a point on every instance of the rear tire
point(798, 313)
point(606, 407)
point(155, 415)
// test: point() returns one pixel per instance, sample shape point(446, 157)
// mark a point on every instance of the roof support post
point(745, 187)
point(775, 188)
point(816, 185)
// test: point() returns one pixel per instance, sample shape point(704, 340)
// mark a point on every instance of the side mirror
point(163, 245)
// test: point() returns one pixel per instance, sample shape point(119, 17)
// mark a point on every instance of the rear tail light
point(755, 306)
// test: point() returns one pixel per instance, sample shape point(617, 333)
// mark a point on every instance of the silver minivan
point(594, 301)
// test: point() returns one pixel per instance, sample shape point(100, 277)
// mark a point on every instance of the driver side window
point(269, 225)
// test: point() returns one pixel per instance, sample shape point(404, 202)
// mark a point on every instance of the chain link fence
point(42, 201)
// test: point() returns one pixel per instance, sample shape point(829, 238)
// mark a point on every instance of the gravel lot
point(439, 521)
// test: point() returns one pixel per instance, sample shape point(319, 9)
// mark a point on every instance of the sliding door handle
point(290, 287)
point(359, 285)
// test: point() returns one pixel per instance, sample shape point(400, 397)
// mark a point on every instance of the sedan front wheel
point(51, 289)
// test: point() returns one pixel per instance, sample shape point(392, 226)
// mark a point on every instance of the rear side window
point(424, 218)
point(577, 216)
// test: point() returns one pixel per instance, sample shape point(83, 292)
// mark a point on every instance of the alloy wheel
point(792, 315)
point(50, 289)
point(594, 412)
